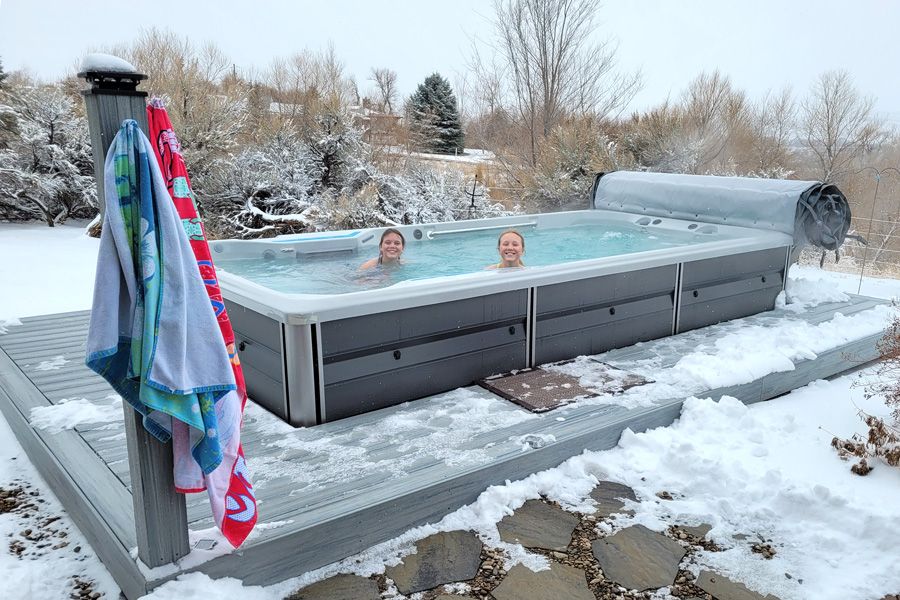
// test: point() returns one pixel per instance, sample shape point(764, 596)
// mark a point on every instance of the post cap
point(107, 72)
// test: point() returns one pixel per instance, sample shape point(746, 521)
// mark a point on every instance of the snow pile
point(105, 63)
point(70, 413)
point(54, 364)
point(769, 470)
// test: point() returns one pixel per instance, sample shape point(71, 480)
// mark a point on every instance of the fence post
point(160, 517)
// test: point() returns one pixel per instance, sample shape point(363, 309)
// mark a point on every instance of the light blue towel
point(153, 335)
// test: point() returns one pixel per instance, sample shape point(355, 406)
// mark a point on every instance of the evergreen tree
point(434, 117)
point(2, 74)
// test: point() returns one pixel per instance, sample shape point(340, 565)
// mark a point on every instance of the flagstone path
point(584, 563)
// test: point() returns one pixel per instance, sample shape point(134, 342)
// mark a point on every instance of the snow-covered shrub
point(418, 194)
point(46, 165)
point(883, 439)
point(264, 190)
point(290, 184)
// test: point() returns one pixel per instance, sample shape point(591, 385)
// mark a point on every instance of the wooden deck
point(331, 491)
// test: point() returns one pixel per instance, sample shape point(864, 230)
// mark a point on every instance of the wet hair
point(513, 231)
point(389, 231)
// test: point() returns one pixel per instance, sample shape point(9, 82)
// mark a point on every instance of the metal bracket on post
point(160, 516)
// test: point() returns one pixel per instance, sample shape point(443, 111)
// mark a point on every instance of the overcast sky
point(762, 45)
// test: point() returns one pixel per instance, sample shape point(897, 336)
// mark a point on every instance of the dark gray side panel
point(258, 338)
point(594, 315)
point(356, 396)
point(375, 361)
point(730, 287)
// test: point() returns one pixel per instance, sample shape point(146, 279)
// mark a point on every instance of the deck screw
point(696, 293)
point(512, 330)
point(612, 310)
point(397, 355)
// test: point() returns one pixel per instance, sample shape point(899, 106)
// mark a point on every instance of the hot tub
point(311, 358)
point(320, 342)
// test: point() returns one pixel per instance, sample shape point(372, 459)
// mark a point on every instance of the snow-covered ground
point(764, 470)
point(470, 155)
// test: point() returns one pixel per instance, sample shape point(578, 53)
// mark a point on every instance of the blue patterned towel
point(152, 335)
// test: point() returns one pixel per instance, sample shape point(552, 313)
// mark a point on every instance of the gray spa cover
point(809, 210)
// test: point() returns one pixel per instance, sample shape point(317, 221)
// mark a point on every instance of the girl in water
point(389, 250)
point(511, 246)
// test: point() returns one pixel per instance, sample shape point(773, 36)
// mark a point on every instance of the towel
point(152, 335)
point(231, 480)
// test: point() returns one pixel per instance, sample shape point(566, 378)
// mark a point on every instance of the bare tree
point(307, 85)
point(772, 120)
point(837, 124)
point(716, 121)
point(662, 139)
point(706, 98)
point(386, 87)
point(208, 117)
point(554, 67)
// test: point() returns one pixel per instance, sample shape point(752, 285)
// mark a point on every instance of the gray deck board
point(95, 500)
point(319, 521)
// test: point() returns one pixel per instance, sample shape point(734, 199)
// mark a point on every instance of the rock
point(536, 524)
point(724, 589)
point(441, 558)
point(339, 587)
point(451, 597)
point(638, 558)
point(607, 495)
point(699, 531)
point(766, 550)
point(560, 581)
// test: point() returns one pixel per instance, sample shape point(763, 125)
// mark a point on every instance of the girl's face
point(391, 247)
point(511, 249)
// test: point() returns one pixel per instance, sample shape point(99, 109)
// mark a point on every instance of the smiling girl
point(511, 246)
point(389, 250)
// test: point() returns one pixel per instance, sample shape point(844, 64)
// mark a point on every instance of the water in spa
point(451, 254)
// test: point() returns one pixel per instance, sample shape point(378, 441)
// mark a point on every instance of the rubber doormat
point(536, 389)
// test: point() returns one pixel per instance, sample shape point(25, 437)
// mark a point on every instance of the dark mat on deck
point(540, 390)
point(536, 389)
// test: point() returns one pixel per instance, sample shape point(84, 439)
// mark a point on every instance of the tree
point(773, 120)
point(46, 165)
point(208, 107)
point(662, 140)
point(837, 124)
point(554, 68)
point(2, 74)
point(434, 117)
point(386, 89)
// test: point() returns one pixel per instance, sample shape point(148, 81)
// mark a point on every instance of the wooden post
point(160, 517)
point(112, 98)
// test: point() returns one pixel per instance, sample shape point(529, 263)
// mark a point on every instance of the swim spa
point(653, 256)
